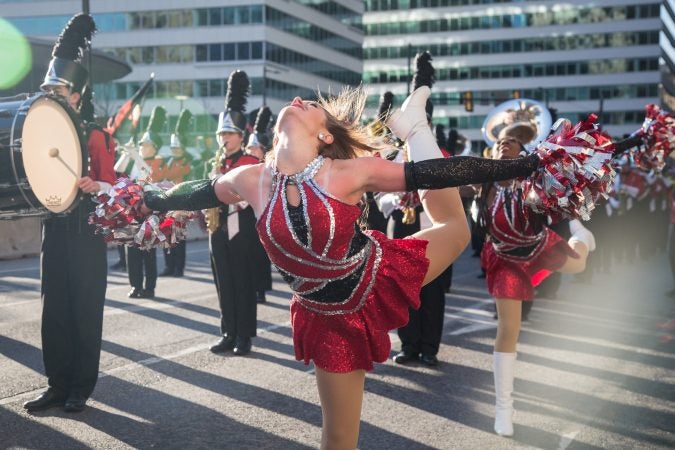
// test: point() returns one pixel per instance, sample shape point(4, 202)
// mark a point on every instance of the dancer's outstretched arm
point(204, 194)
point(465, 170)
point(385, 176)
point(186, 196)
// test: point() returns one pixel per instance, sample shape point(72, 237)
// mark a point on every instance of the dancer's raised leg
point(449, 234)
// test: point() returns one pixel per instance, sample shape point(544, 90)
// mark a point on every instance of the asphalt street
point(596, 369)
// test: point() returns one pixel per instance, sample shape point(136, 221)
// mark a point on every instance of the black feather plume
point(440, 136)
point(157, 119)
point(237, 91)
point(424, 71)
point(183, 123)
point(75, 38)
point(263, 119)
point(386, 102)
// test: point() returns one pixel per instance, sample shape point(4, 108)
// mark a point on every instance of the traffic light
point(467, 99)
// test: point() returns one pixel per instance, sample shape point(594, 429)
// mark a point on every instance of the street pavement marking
point(472, 328)
point(567, 439)
point(138, 364)
point(479, 299)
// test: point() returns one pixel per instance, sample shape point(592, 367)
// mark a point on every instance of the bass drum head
point(52, 154)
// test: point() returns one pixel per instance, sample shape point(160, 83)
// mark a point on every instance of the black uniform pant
point(233, 272)
point(423, 332)
point(174, 258)
point(263, 268)
point(140, 262)
point(73, 270)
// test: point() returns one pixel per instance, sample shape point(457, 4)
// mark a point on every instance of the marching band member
point(142, 264)
point(74, 258)
point(233, 236)
point(177, 169)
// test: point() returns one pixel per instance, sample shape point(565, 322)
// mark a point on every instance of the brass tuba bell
point(527, 120)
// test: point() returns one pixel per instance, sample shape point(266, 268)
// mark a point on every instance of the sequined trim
point(334, 264)
point(309, 304)
point(305, 174)
point(350, 264)
point(513, 234)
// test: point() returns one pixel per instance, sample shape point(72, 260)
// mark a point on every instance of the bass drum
point(43, 153)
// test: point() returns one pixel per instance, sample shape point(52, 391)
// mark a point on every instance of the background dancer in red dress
point(520, 252)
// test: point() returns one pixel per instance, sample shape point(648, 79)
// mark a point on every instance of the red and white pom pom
point(119, 219)
point(575, 171)
point(658, 135)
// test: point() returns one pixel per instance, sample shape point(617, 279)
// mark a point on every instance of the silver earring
point(321, 136)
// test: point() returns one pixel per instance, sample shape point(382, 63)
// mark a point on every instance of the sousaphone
point(527, 120)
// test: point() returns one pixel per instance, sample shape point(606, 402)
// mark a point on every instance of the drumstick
point(54, 153)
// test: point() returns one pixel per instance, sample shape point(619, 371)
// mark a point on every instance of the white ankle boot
point(581, 234)
point(410, 125)
point(502, 366)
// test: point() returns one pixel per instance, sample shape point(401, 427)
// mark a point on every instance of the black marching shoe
point(135, 293)
point(225, 344)
point(48, 399)
point(178, 273)
point(148, 293)
point(242, 346)
point(428, 360)
point(75, 403)
point(405, 357)
point(260, 297)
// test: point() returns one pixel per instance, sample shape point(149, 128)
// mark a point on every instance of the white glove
point(581, 234)
point(388, 202)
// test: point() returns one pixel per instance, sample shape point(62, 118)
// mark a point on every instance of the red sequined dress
point(520, 251)
point(349, 287)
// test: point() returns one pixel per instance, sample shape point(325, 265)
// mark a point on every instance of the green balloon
point(15, 55)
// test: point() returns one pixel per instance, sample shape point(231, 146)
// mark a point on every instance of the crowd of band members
point(631, 225)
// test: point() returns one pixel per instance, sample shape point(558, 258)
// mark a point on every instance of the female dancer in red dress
point(520, 252)
point(350, 287)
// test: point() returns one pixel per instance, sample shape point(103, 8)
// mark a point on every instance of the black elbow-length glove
point(462, 170)
point(187, 196)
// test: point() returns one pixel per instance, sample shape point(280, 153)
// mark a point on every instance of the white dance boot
point(581, 234)
point(410, 125)
point(502, 366)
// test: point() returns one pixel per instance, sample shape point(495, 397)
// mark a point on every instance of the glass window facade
point(143, 20)
point(303, 29)
point(561, 16)
point(392, 5)
point(553, 43)
point(591, 67)
point(175, 54)
point(337, 11)
point(574, 93)
point(305, 63)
